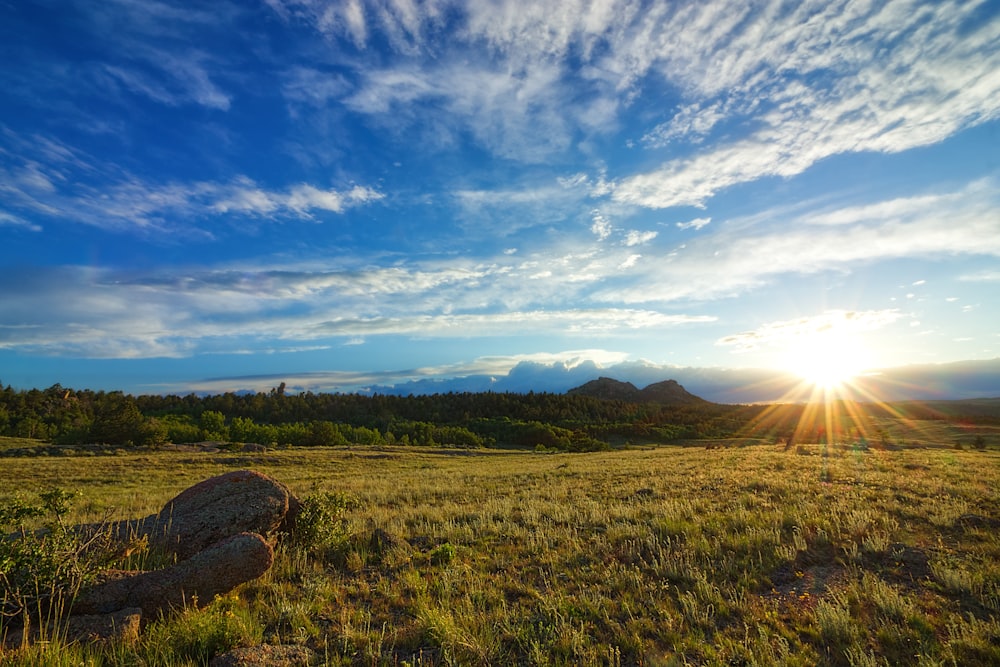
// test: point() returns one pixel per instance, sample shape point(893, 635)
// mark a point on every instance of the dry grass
point(660, 556)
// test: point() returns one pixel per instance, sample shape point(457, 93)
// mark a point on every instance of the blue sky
point(217, 196)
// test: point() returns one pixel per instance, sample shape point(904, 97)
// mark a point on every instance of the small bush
point(320, 525)
point(43, 563)
point(443, 554)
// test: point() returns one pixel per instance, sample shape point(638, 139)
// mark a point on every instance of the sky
point(222, 196)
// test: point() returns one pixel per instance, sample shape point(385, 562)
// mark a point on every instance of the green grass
point(661, 556)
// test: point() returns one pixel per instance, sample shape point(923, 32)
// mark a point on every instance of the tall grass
point(662, 556)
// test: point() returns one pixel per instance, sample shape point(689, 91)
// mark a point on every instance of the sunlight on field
point(671, 555)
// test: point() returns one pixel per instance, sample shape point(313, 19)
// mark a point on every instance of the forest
point(559, 422)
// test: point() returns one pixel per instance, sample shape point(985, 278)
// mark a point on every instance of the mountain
point(667, 392)
point(962, 380)
point(607, 389)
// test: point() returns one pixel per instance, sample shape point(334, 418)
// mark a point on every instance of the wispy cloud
point(111, 314)
point(879, 92)
point(747, 254)
point(515, 113)
point(837, 322)
point(15, 221)
point(496, 366)
point(691, 123)
point(695, 224)
point(61, 182)
point(635, 237)
point(981, 277)
point(800, 82)
point(567, 322)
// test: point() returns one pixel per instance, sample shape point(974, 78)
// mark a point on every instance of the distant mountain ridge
point(668, 392)
point(960, 380)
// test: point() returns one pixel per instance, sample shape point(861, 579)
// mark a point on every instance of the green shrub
point(320, 525)
point(43, 563)
point(443, 554)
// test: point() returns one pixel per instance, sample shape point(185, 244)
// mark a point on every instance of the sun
point(827, 360)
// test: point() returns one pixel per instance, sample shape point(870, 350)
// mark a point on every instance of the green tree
point(213, 426)
point(119, 422)
point(325, 433)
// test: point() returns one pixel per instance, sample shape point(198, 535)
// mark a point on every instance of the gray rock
point(122, 625)
point(240, 501)
point(214, 571)
point(265, 655)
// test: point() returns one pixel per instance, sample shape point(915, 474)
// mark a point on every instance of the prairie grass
point(660, 556)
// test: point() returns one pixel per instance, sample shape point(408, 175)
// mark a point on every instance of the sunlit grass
point(823, 555)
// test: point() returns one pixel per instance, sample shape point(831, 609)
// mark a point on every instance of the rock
point(214, 571)
point(240, 501)
point(122, 625)
point(219, 531)
point(265, 655)
point(382, 541)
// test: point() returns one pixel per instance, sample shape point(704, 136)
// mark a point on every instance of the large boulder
point(221, 532)
point(235, 502)
point(214, 571)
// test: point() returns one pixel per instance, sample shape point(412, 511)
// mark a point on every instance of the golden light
point(827, 359)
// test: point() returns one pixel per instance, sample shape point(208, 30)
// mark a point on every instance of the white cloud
point(871, 97)
point(71, 185)
point(89, 312)
point(167, 78)
point(695, 224)
point(630, 261)
point(304, 197)
point(601, 226)
point(635, 237)
point(304, 85)
point(831, 322)
point(508, 210)
point(691, 123)
point(511, 323)
point(15, 221)
point(243, 196)
point(746, 254)
point(494, 366)
point(516, 113)
point(981, 277)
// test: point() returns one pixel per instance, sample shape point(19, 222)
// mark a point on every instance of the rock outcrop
point(236, 502)
point(214, 571)
point(221, 531)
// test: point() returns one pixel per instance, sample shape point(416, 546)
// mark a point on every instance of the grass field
point(660, 556)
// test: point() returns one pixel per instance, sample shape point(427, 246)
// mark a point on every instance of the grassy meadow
point(646, 556)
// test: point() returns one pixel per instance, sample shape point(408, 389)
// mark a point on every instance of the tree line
point(568, 422)
point(536, 419)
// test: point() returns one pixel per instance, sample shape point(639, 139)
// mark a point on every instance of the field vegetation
point(858, 538)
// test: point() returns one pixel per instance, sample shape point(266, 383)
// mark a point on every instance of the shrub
point(43, 563)
point(443, 554)
point(320, 525)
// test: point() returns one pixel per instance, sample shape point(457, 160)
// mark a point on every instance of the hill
point(668, 392)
